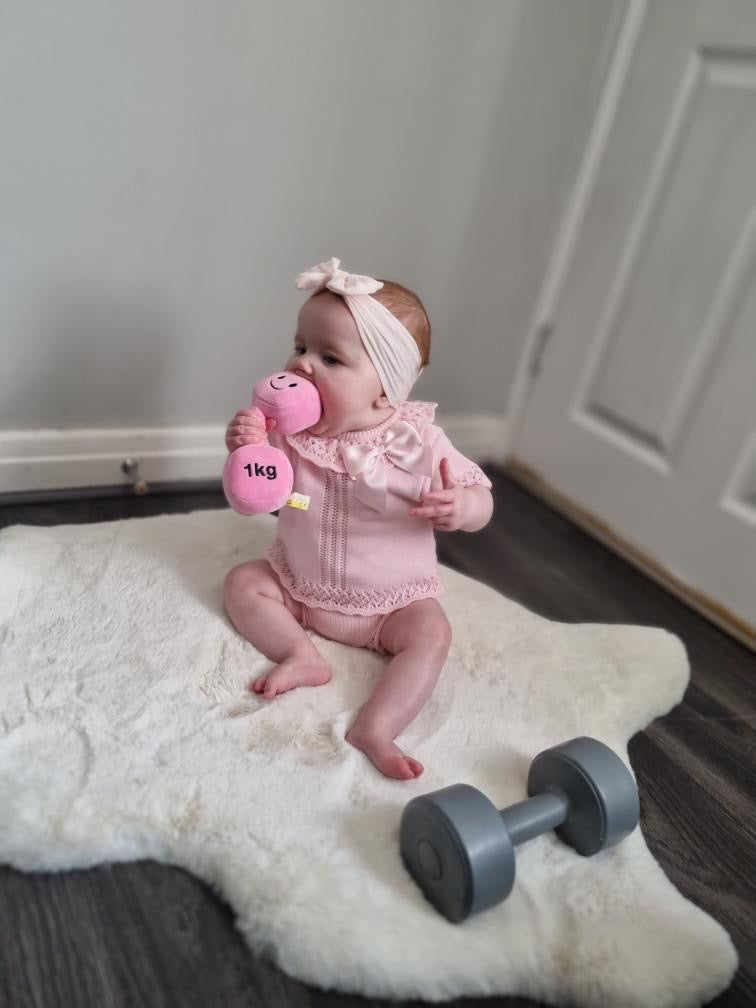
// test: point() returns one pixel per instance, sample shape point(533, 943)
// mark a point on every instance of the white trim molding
point(60, 459)
point(36, 460)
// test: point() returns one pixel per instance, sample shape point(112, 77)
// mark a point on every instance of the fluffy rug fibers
point(128, 731)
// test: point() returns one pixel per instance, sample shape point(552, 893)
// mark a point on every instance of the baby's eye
point(328, 358)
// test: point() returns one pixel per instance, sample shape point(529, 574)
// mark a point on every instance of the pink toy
point(258, 478)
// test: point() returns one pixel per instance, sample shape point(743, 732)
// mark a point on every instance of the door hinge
point(539, 347)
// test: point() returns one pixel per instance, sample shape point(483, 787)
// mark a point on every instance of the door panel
point(643, 411)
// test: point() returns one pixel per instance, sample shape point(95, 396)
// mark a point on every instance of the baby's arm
point(461, 502)
point(453, 507)
point(479, 508)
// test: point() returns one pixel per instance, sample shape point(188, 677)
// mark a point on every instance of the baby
point(356, 561)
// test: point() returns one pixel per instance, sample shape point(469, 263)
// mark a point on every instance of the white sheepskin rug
point(128, 731)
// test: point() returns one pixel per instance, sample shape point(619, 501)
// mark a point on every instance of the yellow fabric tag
point(298, 500)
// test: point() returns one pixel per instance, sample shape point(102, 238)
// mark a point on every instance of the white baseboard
point(35, 460)
point(55, 460)
point(479, 436)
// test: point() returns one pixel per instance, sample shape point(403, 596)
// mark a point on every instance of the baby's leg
point(419, 637)
point(268, 618)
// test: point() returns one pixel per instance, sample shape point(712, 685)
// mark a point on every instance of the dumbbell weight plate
point(454, 845)
point(602, 793)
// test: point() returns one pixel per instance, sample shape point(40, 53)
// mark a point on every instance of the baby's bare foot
point(386, 756)
point(299, 670)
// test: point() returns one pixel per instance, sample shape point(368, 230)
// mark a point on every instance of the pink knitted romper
point(343, 565)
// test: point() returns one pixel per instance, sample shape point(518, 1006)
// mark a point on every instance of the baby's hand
point(445, 508)
point(247, 428)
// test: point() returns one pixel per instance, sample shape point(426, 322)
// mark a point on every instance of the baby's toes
point(398, 767)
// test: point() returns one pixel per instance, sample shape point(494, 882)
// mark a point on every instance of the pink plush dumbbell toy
point(258, 478)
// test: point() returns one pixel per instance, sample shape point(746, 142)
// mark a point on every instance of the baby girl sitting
point(358, 564)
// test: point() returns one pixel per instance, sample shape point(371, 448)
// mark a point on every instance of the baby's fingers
point(246, 425)
point(430, 510)
point(247, 428)
point(237, 437)
point(240, 440)
point(247, 420)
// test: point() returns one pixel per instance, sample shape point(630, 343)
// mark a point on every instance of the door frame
point(565, 243)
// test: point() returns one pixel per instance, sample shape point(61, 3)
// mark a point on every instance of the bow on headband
point(402, 446)
point(388, 344)
point(327, 274)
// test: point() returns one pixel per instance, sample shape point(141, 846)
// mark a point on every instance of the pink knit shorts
point(359, 630)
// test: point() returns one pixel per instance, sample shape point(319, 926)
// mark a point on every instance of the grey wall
point(169, 166)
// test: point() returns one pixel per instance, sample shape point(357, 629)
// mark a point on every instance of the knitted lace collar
point(326, 451)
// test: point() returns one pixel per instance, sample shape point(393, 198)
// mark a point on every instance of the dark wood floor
point(146, 934)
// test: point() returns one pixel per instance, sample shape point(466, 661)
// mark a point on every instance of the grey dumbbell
point(459, 847)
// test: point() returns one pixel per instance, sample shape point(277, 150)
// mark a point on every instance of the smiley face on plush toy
point(280, 388)
point(289, 399)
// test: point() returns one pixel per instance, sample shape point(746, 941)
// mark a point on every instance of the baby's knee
point(434, 630)
point(242, 581)
point(422, 626)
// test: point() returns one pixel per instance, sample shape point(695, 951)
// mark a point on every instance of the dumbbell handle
point(536, 815)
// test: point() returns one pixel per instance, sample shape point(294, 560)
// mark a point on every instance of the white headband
point(387, 342)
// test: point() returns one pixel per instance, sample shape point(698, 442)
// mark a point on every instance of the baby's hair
point(405, 305)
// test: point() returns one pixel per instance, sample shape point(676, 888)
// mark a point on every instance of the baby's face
point(328, 351)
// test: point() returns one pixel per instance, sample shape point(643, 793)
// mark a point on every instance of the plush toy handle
point(269, 423)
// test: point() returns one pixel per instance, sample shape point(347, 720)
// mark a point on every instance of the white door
point(643, 408)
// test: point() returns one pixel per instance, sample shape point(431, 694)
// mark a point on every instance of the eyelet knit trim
point(326, 451)
point(350, 601)
point(473, 477)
